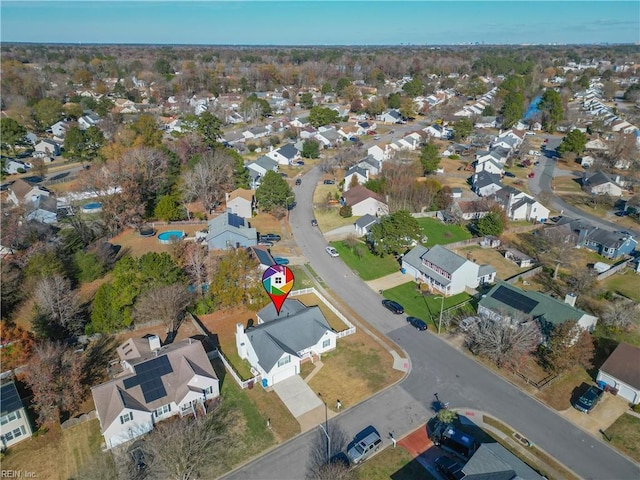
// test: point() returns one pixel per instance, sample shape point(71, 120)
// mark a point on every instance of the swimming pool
point(92, 207)
point(170, 236)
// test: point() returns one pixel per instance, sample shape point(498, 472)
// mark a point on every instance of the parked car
point(449, 468)
point(298, 181)
point(329, 182)
point(281, 260)
point(265, 243)
point(509, 174)
point(300, 163)
point(270, 237)
point(314, 222)
point(332, 252)
point(418, 323)
point(362, 449)
point(589, 399)
point(622, 213)
point(283, 175)
point(468, 322)
point(531, 175)
point(377, 137)
point(392, 306)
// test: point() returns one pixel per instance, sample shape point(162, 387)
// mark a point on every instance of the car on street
point(417, 322)
point(531, 175)
point(314, 222)
point(329, 182)
point(365, 443)
point(281, 260)
point(332, 252)
point(509, 174)
point(270, 237)
point(298, 181)
point(377, 137)
point(589, 399)
point(392, 306)
point(449, 468)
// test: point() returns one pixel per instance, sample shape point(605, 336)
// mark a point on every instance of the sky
point(328, 22)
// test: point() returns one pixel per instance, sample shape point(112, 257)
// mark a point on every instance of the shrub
point(454, 157)
point(345, 211)
point(252, 147)
point(89, 266)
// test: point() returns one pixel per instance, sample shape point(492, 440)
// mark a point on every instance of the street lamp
point(325, 429)
point(441, 308)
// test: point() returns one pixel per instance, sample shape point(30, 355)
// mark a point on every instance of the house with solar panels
point(14, 422)
point(157, 382)
point(277, 346)
point(504, 301)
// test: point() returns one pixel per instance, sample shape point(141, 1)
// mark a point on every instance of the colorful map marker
point(278, 282)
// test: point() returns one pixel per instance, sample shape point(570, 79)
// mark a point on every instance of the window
point(18, 432)
point(9, 418)
point(163, 410)
point(127, 417)
point(284, 360)
point(208, 390)
point(326, 343)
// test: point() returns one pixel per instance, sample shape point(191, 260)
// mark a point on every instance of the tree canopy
point(551, 107)
point(491, 224)
point(274, 192)
point(462, 129)
point(575, 141)
point(429, 158)
point(319, 116)
point(237, 281)
point(394, 233)
point(12, 134)
point(310, 149)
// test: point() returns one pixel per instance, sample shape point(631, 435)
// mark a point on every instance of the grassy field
point(370, 266)
point(57, 454)
point(440, 234)
point(422, 306)
point(354, 371)
point(625, 435)
point(627, 284)
point(393, 463)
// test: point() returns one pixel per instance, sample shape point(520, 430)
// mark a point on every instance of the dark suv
point(270, 237)
point(449, 468)
point(588, 400)
point(395, 307)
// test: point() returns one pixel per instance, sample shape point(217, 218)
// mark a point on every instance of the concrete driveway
point(607, 411)
point(297, 395)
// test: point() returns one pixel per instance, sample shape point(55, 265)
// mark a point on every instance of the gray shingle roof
point(484, 179)
point(494, 462)
point(291, 306)
point(438, 255)
point(598, 178)
point(289, 151)
point(230, 221)
point(366, 221)
point(287, 334)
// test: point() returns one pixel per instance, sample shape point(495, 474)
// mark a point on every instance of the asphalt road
point(436, 367)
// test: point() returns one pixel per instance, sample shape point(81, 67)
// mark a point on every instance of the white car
point(332, 252)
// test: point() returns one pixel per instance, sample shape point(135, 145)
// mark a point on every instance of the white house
point(445, 271)
point(519, 205)
point(285, 155)
point(59, 129)
point(622, 372)
point(390, 116)
point(157, 382)
point(14, 420)
point(489, 166)
point(279, 343)
point(600, 183)
point(22, 192)
point(12, 166)
point(46, 147)
point(355, 174)
point(380, 152)
point(241, 201)
point(363, 224)
point(363, 201)
point(485, 183)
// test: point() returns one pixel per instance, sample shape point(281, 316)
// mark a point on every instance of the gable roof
point(437, 255)
point(230, 221)
point(265, 162)
point(494, 462)
point(623, 364)
point(291, 306)
point(47, 203)
point(242, 193)
point(506, 297)
point(287, 334)
point(288, 151)
point(160, 377)
point(484, 179)
point(21, 188)
point(366, 221)
point(357, 194)
point(598, 178)
point(262, 254)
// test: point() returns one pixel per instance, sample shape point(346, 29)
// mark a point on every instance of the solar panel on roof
point(9, 398)
point(235, 220)
point(514, 299)
point(149, 376)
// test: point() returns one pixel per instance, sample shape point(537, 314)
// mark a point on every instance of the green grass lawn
point(627, 284)
point(440, 234)
point(301, 278)
point(625, 435)
point(370, 266)
point(422, 306)
point(393, 463)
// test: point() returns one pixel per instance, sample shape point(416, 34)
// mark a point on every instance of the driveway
point(297, 395)
point(605, 413)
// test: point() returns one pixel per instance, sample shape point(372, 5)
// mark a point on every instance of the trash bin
point(403, 270)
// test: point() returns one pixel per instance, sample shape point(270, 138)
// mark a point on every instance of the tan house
point(22, 192)
point(241, 202)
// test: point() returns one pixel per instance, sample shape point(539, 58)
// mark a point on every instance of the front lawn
point(370, 266)
point(422, 306)
point(558, 394)
point(393, 463)
point(439, 233)
point(625, 435)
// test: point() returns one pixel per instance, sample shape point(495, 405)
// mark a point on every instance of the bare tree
point(166, 303)
point(55, 375)
point(621, 315)
point(184, 448)
point(210, 179)
point(506, 340)
point(194, 259)
point(58, 303)
point(320, 465)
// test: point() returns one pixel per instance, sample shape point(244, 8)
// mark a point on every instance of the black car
point(418, 323)
point(622, 213)
point(395, 307)
point(314, 222)
point(449, 468)
point(298, 181)
point(270, 237)
point(329, 182)
point(588, 400)
point(509, 174)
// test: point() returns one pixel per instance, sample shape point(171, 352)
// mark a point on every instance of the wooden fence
point(529, 273)
point(545, 382)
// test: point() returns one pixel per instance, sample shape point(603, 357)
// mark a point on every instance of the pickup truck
point(588, 399)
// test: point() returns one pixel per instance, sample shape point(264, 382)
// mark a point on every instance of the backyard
point(424, 306)
point(439, 233)
point(504, 268)
point(368, 266)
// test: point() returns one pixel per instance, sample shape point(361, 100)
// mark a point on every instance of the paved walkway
point(388, 281)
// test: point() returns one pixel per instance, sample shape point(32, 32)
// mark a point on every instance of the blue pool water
point(533, 108)
point(91, 207)
point(170, 236)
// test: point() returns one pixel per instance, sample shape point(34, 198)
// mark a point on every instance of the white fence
point(242, 383)
point(344, 333)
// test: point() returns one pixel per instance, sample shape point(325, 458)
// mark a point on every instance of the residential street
point(437, 367)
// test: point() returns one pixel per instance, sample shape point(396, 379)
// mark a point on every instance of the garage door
point(281, 375)
point(627, 393)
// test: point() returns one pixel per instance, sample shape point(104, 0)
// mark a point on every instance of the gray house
point(44, 209)
point(14, 422)
point(493, 461)
point(229, 230)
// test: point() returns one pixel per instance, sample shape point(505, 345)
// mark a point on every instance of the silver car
point(363, 448)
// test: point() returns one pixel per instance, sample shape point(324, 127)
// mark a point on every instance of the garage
point(620, 371)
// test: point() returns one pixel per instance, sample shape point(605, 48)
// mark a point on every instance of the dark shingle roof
point(494, 462)
point(288, 151)
point(624, 364)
